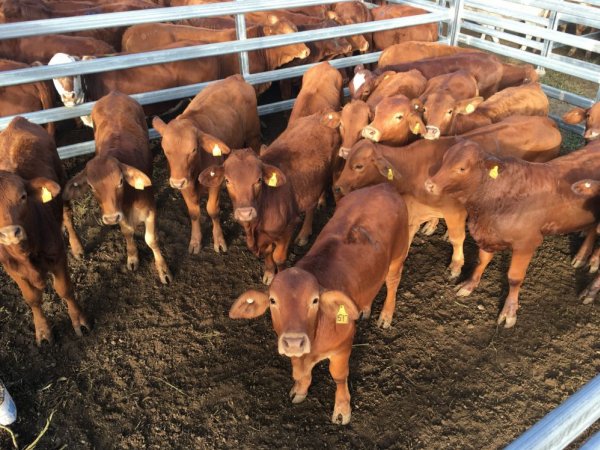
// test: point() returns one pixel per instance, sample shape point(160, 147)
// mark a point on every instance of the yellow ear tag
point(390, 174)
point(139, 184)
point(386, 77)
point(342, 315)
point(273, 180)
point(416, 128)
point(216, 151)
point(494, 172)
point(46, 195)
point(470, 108)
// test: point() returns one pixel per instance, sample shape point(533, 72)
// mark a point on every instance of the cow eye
point(461, 169)
point(359, 167)
point(23, 196)
point(226, 180)
point(195, 149)
point(449, 111)
point(120, 182)
point(272, 300)
point(315, 300)
point(259, 180)
point(398, 116)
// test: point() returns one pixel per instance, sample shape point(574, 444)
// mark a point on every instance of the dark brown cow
point(314, 305)
point(353, 118)
point(120, 175)
point(31, 216)
point(411, 84)
point(147, 37)
point(384, 39)
point(24, 98)
point(531, 138)
point(513, 204)
point(223, 115)
point(395, 122)
point(299, 165)
point(414, 50)
point(75, 90)
point(591, 116)
point(321, 92)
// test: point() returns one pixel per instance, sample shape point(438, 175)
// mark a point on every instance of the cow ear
point(331, 119)
point(468, 105)
point(212, 176)
point(574, 116)
point(415, 124)
point(249, 305)
point(331, 15)
point(272, 176)
point(262, 149)
point(212, 145)
point(385, 168)
point(135, 177)
point(586, 188)
point(493, 166)
point(76, 186)
point(338, 306)
point(159, 125)
point(358, 68)
point(416, 104)
point(42, 189)
point(272, 19)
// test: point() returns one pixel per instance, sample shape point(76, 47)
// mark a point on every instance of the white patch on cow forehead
point(358, 80)
point(61, 58)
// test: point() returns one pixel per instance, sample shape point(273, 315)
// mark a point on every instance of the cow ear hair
point(273, 176)
point(331, 119)
point(212, 176)
point(385, 168)
point(135, 177)
point(249, 305)
point(212, 145)
point(76, 186)
point(334, 304)
point(586, 188)
point(42, 189)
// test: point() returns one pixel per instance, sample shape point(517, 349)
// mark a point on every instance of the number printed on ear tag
point(342, 315)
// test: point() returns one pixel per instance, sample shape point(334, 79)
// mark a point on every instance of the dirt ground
point(164, 366)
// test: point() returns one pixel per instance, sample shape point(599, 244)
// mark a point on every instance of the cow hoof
point(194, 248)
point(44, 334)
point(384, 321)
point(341, 415)
point(464, 289)
point(220, 246)
point(132, 263)
point(301, 241)
point(577, 262)
point(297, 397)
point(77, 253)
point(430, 227)
point(455, 269)
point(165, 276)
point(594, 264)
point(268, 278)
point(588, 300)
point(365, 314)
point(509, 321)
point(587, 296)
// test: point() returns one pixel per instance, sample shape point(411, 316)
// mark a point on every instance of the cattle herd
point(431, 132)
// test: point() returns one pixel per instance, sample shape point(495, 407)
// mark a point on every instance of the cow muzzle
point(432, 133)
point(246, 214)
point(13, 234)
point(371, 133)
point(112, 219)
point(431, 187)
point(294, 344)
point(178, 184)
point(344, 152)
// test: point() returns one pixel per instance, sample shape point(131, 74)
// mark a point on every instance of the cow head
point(439, 110)
point(108, 178)
point(463, 168)
point(245, 177)
point(278, 56)
point(354, 117)
point(394, 121)
point(365, 166)
point(298, 304)
point(358, 41)
point(17, 198)
point(184, 146)
point(591, 117)
point(69, 88)
point(362, 84)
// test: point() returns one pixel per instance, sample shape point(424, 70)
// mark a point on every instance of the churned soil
point(164, 366)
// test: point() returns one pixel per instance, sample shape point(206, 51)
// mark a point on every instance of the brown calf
point(348, 13)
point(407, 168)
point(414, 50)
point(315, 304)
point(591, 116)
point(321, 92)
point(383, 39)
point(120, 175)
point(31, 216)
point(299, 164)
point(514, 204)
point(411, 84)
point(222, 115)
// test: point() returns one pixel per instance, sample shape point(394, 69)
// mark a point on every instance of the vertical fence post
point(240, 29)
point(554, 20)
point(454, 26)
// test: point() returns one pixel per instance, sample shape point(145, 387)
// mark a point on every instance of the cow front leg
point(430, 227)
point(33, 298)
point(302, 374)
point(269, 273)
point(516, 274)
point(392, 280)
point(64, 288)
point(282, 245)
point(306, 230)
point(466, 287)
point(339, 369)
point(456, 222)
point(132, 252)
point(212, 207)
point(192, 201)
point(74, 242)
point(150, 237)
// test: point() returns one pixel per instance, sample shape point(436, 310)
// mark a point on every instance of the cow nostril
point(337, 189)
point(17, 232)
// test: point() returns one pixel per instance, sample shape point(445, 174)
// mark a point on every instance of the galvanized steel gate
point(461, 22)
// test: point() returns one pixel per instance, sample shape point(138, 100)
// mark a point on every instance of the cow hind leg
point(465, 288)
point(64, 288)
point(516, 274)
point(430, 227)
point(74, 242)
point(595, 260)
point(339, 369)
point(212, 207)
point(306, 230)
point(392, 281)
point(589, 293)
point(586, 248)
point(132, 251)
point(302, 374)
point(150, 237)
